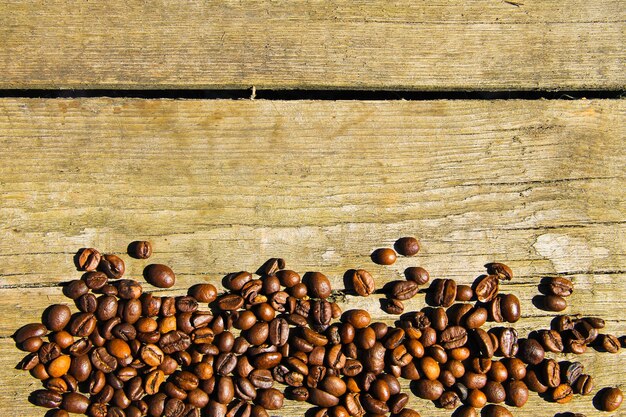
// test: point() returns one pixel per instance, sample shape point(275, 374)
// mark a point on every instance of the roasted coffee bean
point(494, 391)
point(204, 293)
point(333, 385)
point(374, 406)
point(562, 394)
point(510, 307)
point(87, 259)
point(553, 303)
point(428, 389)
point(95, 280)
point(174, 341)
point(530, 351)
point(362, 282)
point(595, 322)
point(483, 343)
point(80, 368)
point(392, 306)
point(31, 345)
point(466, 411)
point(559, 286)
point(453, 337)
point(56, 317)
point(610, 399)
point(407, 246)
point(397, 402)
point(28, 331)
point(321, 398)
point(486, 288)
point(46, 398)
point(87, 303)
point(516, 393)
point(230, 302)
point(112, 265)
point(173, 408)
point(443, 292)
point(384, 256)
point(317, 284)
point(102, 360)
point(583, 385)
point(140, 249)
point(516, 369)
point(572, 372)
point(533, 382)
point(159, 275)
point(464, 292)
point(551, 373)
point(609, 343)
point(493, 410)
point(288, 278)
point(270, 399)
point(82, 324)
point(107, 307)
point(403, 290)
point(357, 318)
point(74, 402)
point(476, 318)
point(75, 289)
point(476, 398)
point(501, 270)
point(449, 400)
point(551, 340)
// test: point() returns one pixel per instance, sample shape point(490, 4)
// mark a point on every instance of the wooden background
point(221, 185)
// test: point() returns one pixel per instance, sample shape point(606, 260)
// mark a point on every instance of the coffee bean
point(610, 399)
point(278, 331)
point(112, 266)
point(464, 292)
point(510, 307)
point(407, 246)
point(75, 289)
point(595, 322)
point(384, 256)
point(29, 362)
point(609, 343)
point(501, 270)
point(530, 351)
point(417, 274)
point(357, 318)
point(483, 342)
point(428, 389)
point(88, 259)
point(583, 385)
point(572, 372)
point(140, 249)
point(466, 411)
point(494, 391)
point(56, 317)
point(46, 398)
point(562, 394)
point(317, 284)
point(28, 331)
point(559, 286)
point(486, 288)
point(551, 340)
point(443, 292)
point(392, 306)
point(533, 382)
point(553, 303)
point(449, 400)
point(159, 275)
point(362, 282)
point(74, 402)
point(551, 373)
point(493, 410)
point(476, 318)
point(204, 293)
point(82, 324)
point(453, 337)
point(403, 290)
point(230, 302)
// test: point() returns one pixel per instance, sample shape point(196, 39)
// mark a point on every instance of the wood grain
point(220, 186)
point(449, 45)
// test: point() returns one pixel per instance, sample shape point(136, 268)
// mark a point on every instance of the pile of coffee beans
point(276, 334)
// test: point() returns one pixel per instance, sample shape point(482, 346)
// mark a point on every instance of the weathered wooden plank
point(223, 185)
point(452, 45)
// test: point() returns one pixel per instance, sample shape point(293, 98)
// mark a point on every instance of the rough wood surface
point(445, 45)
point(221, 186)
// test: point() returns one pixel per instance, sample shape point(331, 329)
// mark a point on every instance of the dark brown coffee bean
point(87, 303)
point(384, 256)
point(583, 385)
point(204, 293)
point(609, 343)
point(112, 266)
point(88, 259)
point(317, 284)
point(494, 391)
point(271, 266)
point(453, 337)
point(466, 411)
point(610, 399)
point(28, 331)
point(559, 286)
point(102, 360)
point(56, 317)
point(403, 290)
point(563, 323)
point(140, 249)
point(530, 351)
point(225, 363)
point(236, 280)
point(516, 368)
point(397, 402)
point(551, 373)
point(501, 270)
point(29, 361)
point(486, 288)
point(476, 318)
point(173, 408)
point(288, 278)
point(392, 306)
point(533, 382)
point(352, 403)
point(483, 342)
point(493, 410)
point(159, 275)
point(553, 303)
point(464, 292)
point(510, 307)
point(362, 282)
point(74, 402)
point(174, 341)
point(407, 246)
point(443, 292)
point(230, 302)
point(46, 398)
point(449, 400)
point(372, 405)
point(82, 324)
point(595, 322)
point(322, 398)
point(75, 289)
point(261, 378)
point(428, 390)
point(270, 398)
point(551, 340)
point(266, 360)
point(562, 394)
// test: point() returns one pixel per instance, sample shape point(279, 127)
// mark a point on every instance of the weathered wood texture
point(221, 186)
point(449, 45)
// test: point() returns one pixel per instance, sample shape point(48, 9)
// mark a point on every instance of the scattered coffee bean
point(501, 270)
point(362, 282)
point(611, 399)
point(407, 246)
point(140, 249)
point(417, 274)
point(384, 256)
point(159, 275)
